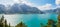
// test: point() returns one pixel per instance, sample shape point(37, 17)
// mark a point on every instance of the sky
point(40, 4)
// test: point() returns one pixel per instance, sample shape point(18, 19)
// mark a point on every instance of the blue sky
point(44, 2)
point(41, 4)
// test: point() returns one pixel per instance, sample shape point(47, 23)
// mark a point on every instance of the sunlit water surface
point(31, 20)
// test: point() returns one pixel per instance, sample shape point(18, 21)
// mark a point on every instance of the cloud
point(57, 2)
point(45, 7)
point(11, 2)
point(6, 1)
point(26, 2)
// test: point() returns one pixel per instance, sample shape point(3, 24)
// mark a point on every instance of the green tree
point(6, 23)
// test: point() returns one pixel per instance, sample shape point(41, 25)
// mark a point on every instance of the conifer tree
point(6, 24)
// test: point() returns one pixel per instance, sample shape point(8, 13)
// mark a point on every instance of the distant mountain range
point(50, 11)
point(57, 10)
point(23, 9)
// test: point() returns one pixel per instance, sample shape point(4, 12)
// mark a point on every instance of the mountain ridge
point(19, 9)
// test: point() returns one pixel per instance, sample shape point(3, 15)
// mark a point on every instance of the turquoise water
point(31, 20)
point(34, 20)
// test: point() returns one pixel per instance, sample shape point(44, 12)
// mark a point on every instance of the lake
point(31, 20)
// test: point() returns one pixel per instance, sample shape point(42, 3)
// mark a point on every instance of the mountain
point(2, 8)
point(57, 10)
point(24, 9)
